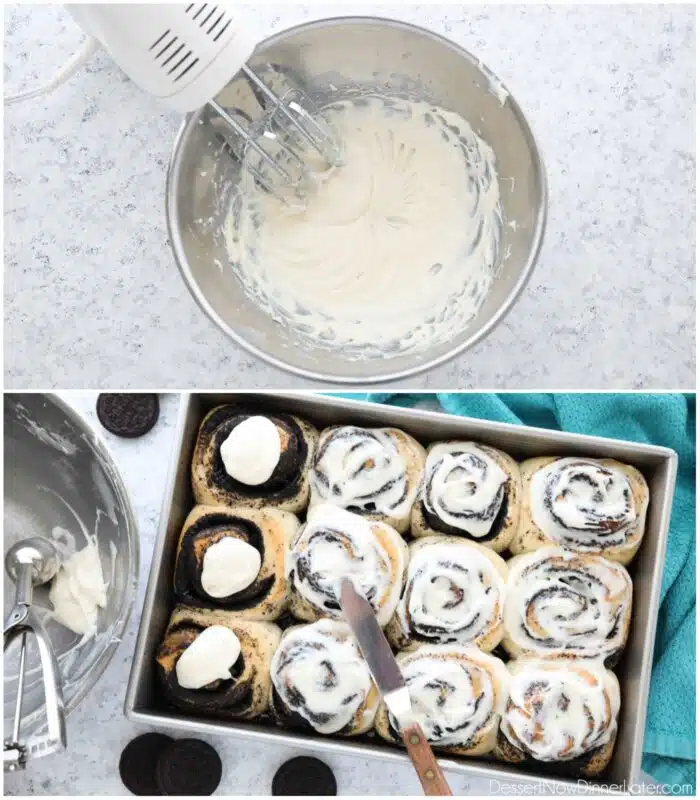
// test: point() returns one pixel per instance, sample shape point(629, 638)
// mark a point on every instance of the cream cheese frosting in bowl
point(404, 255)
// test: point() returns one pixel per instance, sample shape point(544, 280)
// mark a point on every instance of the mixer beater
point(185, 54)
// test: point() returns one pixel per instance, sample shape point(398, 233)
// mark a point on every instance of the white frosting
point(582, 504)
point(335, 544)
point(360, 466)
point(319, 672)
point(560, 602)
point(252, 451)
point(229, 566)
point(209, 658)
point(453, 593)
point(394, 250)
point(79, 590)
point(464, 487)
point(457, 693)
point(559, 711)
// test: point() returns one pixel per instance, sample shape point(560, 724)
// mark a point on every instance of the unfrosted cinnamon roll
point(255, 460)
point(321, 682)
point(468, 490)
point(454, 593)
point(561, 603)
point(334, 544)
point(457, 697)
point(212, 662)
point(374, 472)
point(583, 504)
point(235, 559)
point(560, 711)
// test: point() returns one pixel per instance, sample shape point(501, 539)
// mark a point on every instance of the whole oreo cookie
point(304, 776)
point(188, 767)
point(137, 764)
point(128, 415)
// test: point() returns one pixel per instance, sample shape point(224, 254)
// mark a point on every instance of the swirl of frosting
point(584, 505)
point(335, 544)
point(453, 593)
point(319, 673)
point(558, 711)
point(561, 602)
point(457, 694)
point(464, 488)
point(362, 470)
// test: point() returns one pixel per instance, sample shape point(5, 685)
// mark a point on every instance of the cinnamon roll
point(453, 594)
point(560, 711)
point(321, 682)
point(235, 559)
point(561, 603)
point(334, 544)
point(373, 472)
point(468, 490)
point(246, 459)
point(588, 505)
point(213, 663)
point(457, 697)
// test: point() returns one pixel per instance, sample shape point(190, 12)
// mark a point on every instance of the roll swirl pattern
point(321, 680)
point(334, 544)
point(560, 710)
point(586, 505)
point(457, 697)
point(373, 472)
point(559, 602)
point(454, 593)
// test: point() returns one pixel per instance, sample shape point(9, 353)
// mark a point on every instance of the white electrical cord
point(88, 48)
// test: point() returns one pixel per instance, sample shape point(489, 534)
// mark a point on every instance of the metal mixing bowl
point(351, 53)
point(58, 475)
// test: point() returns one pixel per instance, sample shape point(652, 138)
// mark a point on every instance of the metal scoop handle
point(22, 622)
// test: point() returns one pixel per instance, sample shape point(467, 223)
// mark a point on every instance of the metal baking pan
point(658, 464)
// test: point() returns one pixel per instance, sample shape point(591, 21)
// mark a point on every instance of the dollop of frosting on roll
point(558, 711)
point(362, 469)
point(229, 566)
point(453, 593)
point(252, 450)
point(464, 487)
point(335, 544)
point(319, 672)
point(457, 693)
point(209, 658)
point(561, 602)
point(583, 505)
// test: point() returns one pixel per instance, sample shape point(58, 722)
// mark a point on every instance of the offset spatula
point(392, 686)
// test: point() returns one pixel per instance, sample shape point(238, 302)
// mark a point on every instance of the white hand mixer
point(184, 54)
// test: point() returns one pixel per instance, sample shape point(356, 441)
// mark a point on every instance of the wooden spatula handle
point(429, 772)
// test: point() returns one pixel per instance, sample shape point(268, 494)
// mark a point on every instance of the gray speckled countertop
point(93, 297)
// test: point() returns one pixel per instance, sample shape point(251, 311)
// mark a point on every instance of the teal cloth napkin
point(667, 420)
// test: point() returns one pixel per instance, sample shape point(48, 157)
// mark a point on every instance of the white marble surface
point(93, 298)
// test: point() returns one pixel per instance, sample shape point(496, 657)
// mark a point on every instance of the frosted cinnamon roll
point(235, 559)
point(255, 460)
point(457, 697)
point(321, 682)
point(334, 544)
point(212, 662)
point(373, 472)
point(468, 490)
point(453, 593)
point(560, 711)
point(591, 506)
point(561, 603)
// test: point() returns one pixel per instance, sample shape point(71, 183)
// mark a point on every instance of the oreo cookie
point(137, 764)
point(128, 415)
point(305, 776)
point(188, 767)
